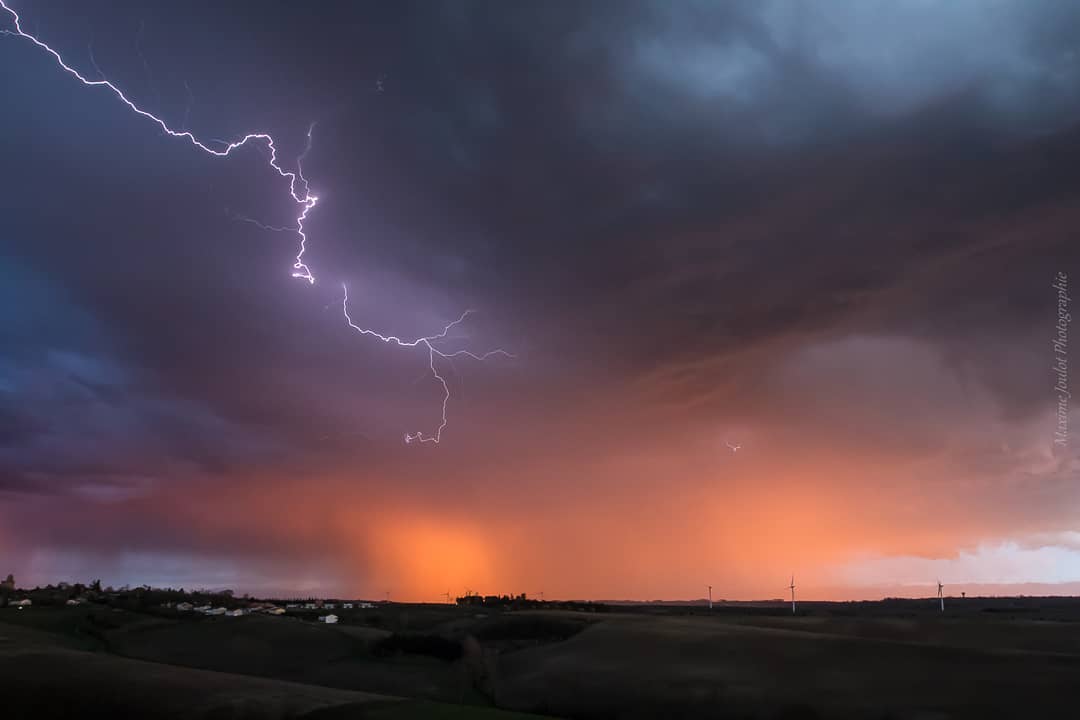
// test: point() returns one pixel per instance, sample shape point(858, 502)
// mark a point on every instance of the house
point(365, 605)
point(309, 606)
point(292, 606)
point(238, 612)
point(74, 601)
point(328, 619)
point(346, 606)
point(328, 606)
point(184, 607)
point(25, 602)
point(201, 608)
point(215, 611)
point(266, 608)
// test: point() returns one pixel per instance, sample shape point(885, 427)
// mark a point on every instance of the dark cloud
point(78, 418)
point(806, 223)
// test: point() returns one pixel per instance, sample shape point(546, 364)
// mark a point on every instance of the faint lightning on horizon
point(299, 190)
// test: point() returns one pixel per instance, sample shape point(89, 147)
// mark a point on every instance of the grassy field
point(43, 677)
point(831, 661)
point(633, 666)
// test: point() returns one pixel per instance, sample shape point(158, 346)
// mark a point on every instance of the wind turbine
point(792, 586)
point(940, 597)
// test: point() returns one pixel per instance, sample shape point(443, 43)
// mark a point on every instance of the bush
point(534, 628)
point(435, 646)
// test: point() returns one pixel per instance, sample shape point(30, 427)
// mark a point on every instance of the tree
point(6, 588)
point(480, 666)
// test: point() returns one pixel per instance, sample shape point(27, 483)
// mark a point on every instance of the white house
point(25, 602)
point(328, 619)
point(293, 606)
point(366, 605)
point(201, 608)
point(309, 606)
point(216, 611)
point(329, 606)
point(275, 611)
point(346, 606)
point(236, 613)
point(184, 607)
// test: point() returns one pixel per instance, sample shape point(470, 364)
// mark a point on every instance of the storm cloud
point(827, 231)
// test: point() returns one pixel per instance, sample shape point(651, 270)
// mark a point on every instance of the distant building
point(202, 608)
point(238, 612)
point(309, 606)
point(184, 607)
point(265, 607)
point(346, 606)
point(275, 611)
point(74, 601)
point(365, 605)
point(328, 606)
point(25, 602)
point(328, 619)
point(216, 611)
point(292, 606)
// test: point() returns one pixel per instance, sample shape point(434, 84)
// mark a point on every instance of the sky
point(828, 233)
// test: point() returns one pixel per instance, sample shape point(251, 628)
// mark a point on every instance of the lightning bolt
point(433, 352)
point(301, 194)
point(303, 198)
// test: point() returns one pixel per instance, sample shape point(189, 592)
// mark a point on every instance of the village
point(224, 603)
point(211, 603)
point(269, 608)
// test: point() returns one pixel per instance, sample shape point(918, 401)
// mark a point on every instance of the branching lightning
point(433, 351)
point(304, 198)
point(300, 191)
point(262, 226)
